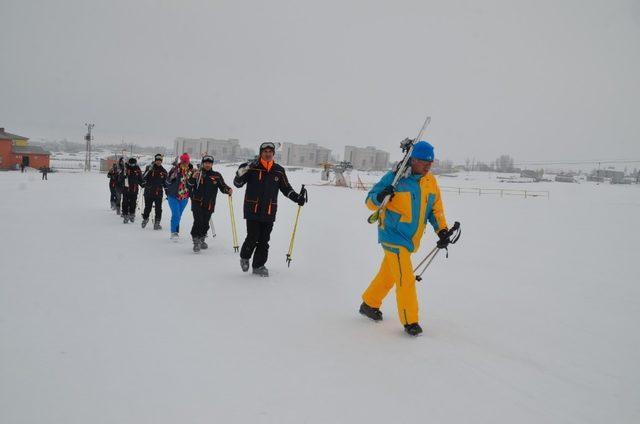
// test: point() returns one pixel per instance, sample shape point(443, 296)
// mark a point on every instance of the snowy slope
point(533, 318)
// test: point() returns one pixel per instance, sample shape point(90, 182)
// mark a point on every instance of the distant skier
point(119, 185)
point(113, 182)
point(178, 191)
point(415, 200)
point(44, 170)
point(153, 181)
point(263, 178)
point(204, 185)
point(130, 180)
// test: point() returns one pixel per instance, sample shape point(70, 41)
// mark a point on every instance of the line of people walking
point(411, 196)
point(263, 177)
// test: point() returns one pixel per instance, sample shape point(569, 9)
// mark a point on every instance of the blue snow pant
point(176, 206)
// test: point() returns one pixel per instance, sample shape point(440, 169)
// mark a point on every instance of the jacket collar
point(266, 165)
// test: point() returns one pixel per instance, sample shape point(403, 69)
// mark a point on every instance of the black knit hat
point(132, 161)
point(207, 158)
point(157, 157)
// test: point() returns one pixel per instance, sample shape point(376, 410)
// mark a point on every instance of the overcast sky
point(539, 80)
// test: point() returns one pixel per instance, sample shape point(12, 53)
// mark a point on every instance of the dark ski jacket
point(173, 180)
point(154, 180)
point(113, 177)
point(204, 189)
point(130, 179)
point(261, 195)
point(117, 173)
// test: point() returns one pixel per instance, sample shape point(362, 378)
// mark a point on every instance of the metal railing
point(495, 191)
point(360, 185)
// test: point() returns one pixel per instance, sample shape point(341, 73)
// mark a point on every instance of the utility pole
point(87, 158)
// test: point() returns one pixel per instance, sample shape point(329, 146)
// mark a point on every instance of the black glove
point(388, 190)
point(444, 239)
point(302, 197)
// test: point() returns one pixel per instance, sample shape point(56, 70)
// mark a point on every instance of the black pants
point(44, 176)
point(201, 217)
point(113, 198)
point(118, 197)
point(258, 236)
point(129, 203)
point(148, 204)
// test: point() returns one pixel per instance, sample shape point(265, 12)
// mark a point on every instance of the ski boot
point(156, 225)
point(203, 245)
point(372, 313)
point(131, 217)
point(413, 329)
point(125, 218)
point(244, 264)
point(117, 210)
point(174, 237)
point(196, 245)
point(261, 271)
point(113, 206)
point(145, 221)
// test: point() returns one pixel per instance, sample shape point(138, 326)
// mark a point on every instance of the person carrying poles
point(130, 180)
point(153, 181)
point(204, 185)
point(264, 178)
point(414, 201)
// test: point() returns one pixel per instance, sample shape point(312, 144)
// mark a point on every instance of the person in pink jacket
point(178, 191)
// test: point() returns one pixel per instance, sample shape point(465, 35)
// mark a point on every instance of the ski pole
point(139, 201)
point(213, 228)
point(430, 256)
point(426, 258)
point(293, 234)
point(454, 234)
point(233, 225)
point(407, 147)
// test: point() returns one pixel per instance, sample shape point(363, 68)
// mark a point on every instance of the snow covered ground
point(532, 319)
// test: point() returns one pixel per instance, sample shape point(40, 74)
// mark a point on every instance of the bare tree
point(504, 164)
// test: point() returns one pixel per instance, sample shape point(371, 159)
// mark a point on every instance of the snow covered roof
point(34, 150)
point(5, 135)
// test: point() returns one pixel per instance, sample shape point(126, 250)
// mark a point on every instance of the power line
point(578, 162)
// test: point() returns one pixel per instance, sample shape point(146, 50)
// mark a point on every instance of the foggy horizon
point(539, 82)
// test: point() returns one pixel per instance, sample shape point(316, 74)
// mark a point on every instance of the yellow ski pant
point(396, 268)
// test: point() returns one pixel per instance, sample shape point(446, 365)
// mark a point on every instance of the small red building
point(15, 151)
point(108, 162)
